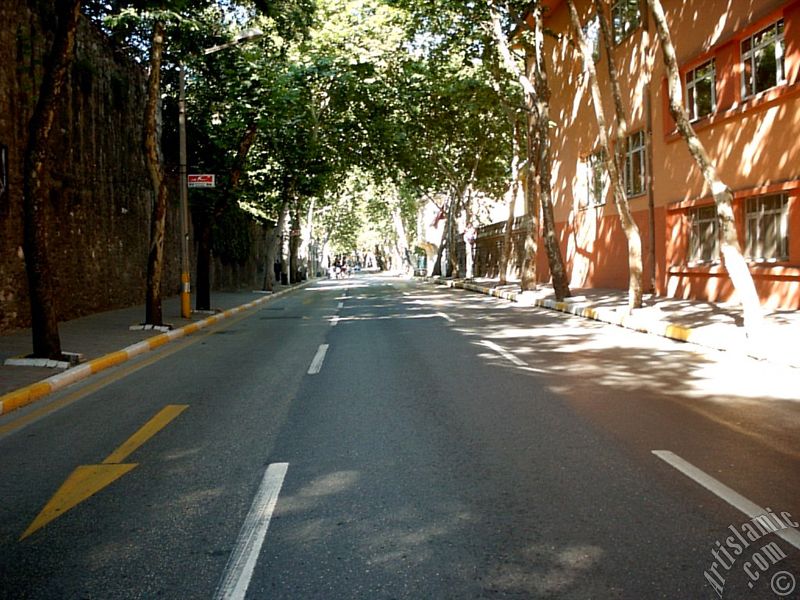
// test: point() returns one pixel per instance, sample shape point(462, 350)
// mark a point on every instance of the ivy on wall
point(231, 241)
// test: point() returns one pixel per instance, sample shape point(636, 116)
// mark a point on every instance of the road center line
point(334, 320)
point(504, 353)
point(340, 305)
point(242, 562)
point(719, 489)
point(319, 357)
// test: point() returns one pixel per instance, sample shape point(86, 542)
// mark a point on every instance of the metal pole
point(186, 300)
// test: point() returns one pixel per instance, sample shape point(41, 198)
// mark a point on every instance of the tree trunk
point(402, 241)
point(437, 264)
point(651, 201)
point(311, 266)
point(155, 258)
point(621, 130)
point(269, 271)
point(529, 276)
point(452, 237)
point(204, 235)
point(294, 243)
point(247, 141)
point(282, 255)
point(557, 270)
point(631, 230)
point(617, 185)
point(537, 98)
point(274, 247)
point(379, 258)
point(41, 289)
point(505, 253)
point(731, 250)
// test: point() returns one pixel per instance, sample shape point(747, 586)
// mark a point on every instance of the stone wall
point(246, 273)
point(98, 220)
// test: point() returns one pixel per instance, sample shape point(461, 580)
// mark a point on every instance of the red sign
point(202, 181)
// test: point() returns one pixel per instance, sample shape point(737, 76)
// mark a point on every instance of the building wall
point(98, 220)
point(752, 141)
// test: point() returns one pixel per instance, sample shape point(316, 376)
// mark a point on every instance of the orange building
point(740, 66)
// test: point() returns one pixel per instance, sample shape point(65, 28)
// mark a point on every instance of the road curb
point(586, 310)
point(31, 393)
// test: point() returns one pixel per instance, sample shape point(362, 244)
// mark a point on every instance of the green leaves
point(392, 91)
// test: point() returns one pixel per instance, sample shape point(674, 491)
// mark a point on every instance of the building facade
point(740, 68)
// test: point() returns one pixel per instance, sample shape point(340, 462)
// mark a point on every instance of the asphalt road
point(379, 438)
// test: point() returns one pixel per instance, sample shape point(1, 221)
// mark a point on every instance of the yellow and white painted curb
point(31, 393)
point(587, 311)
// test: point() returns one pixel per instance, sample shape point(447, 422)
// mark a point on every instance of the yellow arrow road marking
point(83, 482)
point(87, 480)
point(148, 430)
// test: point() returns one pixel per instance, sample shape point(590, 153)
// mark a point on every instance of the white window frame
point(630, 152)
point(756, 215)
point(750, 56)
point(630, 26)
point(700, 218)
point(692, 79)
point(595, 195)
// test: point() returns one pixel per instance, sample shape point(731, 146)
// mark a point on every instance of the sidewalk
point(708, 324)
point(102, 337)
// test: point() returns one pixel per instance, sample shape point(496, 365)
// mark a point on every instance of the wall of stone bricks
point(98, 218)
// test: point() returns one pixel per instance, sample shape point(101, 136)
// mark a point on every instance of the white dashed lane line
point(239, 570)
point(504, 353)
point(719, 489)
point(319, 358)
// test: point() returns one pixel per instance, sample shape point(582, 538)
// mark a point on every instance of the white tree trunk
point(730, 248)
point(632, 234)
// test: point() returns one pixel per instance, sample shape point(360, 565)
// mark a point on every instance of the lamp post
point(186, 301)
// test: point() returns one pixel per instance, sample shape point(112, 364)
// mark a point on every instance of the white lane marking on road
point(340, 305)
point(504, 353)
point(534, 370)
point(243, 560)
point(447, 317)
point(319, 357)
point(719, 489)
point(334, 320)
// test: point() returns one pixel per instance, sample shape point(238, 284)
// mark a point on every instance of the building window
point(767, 227)
point(703, 242)
point(595, 179)
point(635, 165)
point(762, 58)
point(701, 95)
point(625, 18)
point(591, 32)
